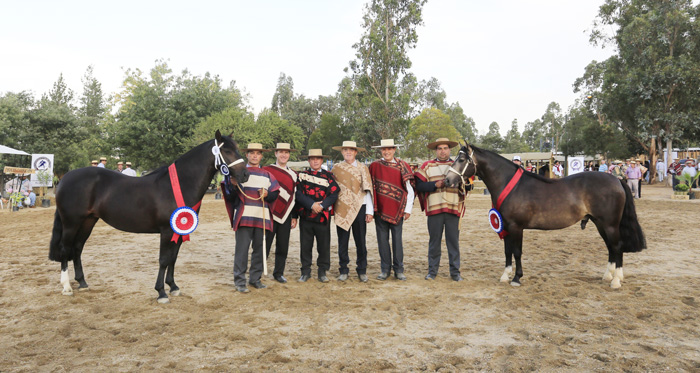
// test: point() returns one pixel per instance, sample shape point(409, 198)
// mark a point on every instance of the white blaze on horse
point(524, 200)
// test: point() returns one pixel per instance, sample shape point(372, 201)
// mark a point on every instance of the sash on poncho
point(354, 182)
point(284, 204)
point(445, 199)
point(389, 184)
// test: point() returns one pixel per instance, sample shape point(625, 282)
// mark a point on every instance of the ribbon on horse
point(180, 201)
point(496, 220)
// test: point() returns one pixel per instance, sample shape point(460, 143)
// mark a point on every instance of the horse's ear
point(217, 135)
point(466, 142)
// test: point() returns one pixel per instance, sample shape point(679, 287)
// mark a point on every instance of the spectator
point(120, 167)
point(558, 170)
point(517, 160)
point(603, 167)
point(129, 171)
point(590, 166)
point(660, 169)
point(617, 170)
point(674, 169)
point(530, 168)
point(633, 175)
point(103, 162)
point(689, 169)
point(94, 163)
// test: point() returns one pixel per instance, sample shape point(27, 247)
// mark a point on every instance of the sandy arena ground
point(563, 318)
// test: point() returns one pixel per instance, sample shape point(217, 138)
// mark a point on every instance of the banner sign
point(42, 162)
point(576, 165)
point(17, 170)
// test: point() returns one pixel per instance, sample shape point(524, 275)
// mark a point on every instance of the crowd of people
point(120, 166)
point(276, 199)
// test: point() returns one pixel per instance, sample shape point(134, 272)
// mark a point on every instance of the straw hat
point(349, 144)
point(283, 146)
point(103, 159)
point(94, 161)
point(255, 146)
point(633, 162)
point(442, 141)
point(315, 153)
point(120, 163)
point(386, 143)
point(128, 163)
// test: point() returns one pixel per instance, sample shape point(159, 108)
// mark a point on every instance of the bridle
point(219, 161)
point(469, 159)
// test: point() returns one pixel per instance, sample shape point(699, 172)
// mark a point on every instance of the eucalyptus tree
point(649, 88)
point(379, 81)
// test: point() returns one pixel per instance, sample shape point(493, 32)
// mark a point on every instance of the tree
point(430, 125)
point(649, 88)
point(279, 130)
point(330, 133)
point(492, 140)
point(159, 113)
point(379, 80)
point(465, 125)
point(553, 121)
point(535, 136)
point(513, 142)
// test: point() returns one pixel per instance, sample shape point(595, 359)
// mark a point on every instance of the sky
point(501, 60)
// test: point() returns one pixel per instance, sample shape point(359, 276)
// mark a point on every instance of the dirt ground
point(563, 318)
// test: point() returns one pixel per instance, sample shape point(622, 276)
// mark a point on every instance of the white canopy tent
point(7, 150)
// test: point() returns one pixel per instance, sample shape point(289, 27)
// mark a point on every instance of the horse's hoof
point(67, 292)
point(83, 288)
point(505, 278)
point(607, 276)
point(163, 300)
point(615, 284)
point(514, 283)
point(175, 293)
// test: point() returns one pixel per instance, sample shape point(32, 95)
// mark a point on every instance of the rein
point(463, 189)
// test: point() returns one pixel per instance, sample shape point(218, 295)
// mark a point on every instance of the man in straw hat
point(245, 209)
point(443, 206)
point(128, 170)
point(103, 162)
point(283, 211)
point(94, 163)
point(316, 193)
point(393, 202)
point(120, 167)
point(353, 209)
point(674, 169)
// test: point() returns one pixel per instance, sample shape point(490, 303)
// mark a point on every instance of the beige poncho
point(354, 182)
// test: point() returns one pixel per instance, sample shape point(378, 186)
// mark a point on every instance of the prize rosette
point(184, 221)
point(224, 170)
point(496, 221)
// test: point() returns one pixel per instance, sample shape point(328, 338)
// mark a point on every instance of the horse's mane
point(507, 163)
point(163, 170)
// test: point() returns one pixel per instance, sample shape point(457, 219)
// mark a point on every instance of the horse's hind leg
point(80, 239)
point(170, 274)
point(168, 252)
point(613, 271)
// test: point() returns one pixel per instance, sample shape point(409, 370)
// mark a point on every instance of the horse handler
point(282, 210)
point(353, 209)
point(316, 193)
point(245, 207)
point(442, 205)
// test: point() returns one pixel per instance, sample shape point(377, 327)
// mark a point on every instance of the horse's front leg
point(170, 274)
point(166, 247)
point(514, 240)
point(505, 277)
point(65, 281)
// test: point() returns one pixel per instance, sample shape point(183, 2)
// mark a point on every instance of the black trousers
point(244, 237)
point(436, 224)
point(308, 230)
point(281, 231)
point(359, 231)
point(639, 188)
point(385, 251)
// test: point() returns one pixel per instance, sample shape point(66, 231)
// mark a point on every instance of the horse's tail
point(631, 235)
point(56, 250)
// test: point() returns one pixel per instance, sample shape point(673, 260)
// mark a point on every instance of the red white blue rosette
point(496, 221)
point(184, 221)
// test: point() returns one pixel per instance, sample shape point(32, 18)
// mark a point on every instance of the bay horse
point(536, 202)
point(135, 204)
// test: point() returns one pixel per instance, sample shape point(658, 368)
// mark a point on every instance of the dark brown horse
point(536, 202)
point(135, 204)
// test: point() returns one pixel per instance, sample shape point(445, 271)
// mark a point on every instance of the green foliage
point(158, 114)
point(45, 178)
point(329, 134)
point(492, 140)
point(430, 125)
point(685, 181)
point(649, 87)
point(513, 142)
